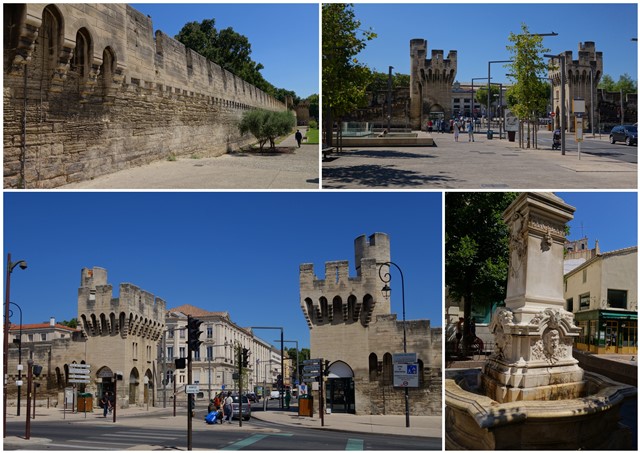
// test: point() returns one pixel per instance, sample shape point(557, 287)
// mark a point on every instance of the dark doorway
point(341, 395)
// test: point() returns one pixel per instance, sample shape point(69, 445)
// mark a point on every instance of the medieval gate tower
point(581, 80)
point(431, 82)
point(351, 325)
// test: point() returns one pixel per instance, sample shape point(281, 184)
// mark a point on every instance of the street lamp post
point(389, 86)
point(297, 356)
point(489, 91)
point(19, 358)
point(563, 119)
point(10, 266)
point(281, 329)
point(386, 278)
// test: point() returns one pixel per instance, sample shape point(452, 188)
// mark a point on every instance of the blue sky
point(609, 217)
point(235, 252)
point(479, 32)
point(283, 37)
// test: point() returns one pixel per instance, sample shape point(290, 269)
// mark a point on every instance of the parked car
point(246, 407)
point(624, 133)
point(253, 398)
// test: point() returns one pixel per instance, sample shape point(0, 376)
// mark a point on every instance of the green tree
point(481, 94)
point(380, 81)
point(607, 83)
point(624, 83)
point(314, 106)
point(528, 69)
point(344, 78)
point(476, 248)
point(73, 323)
point(266, 125)
point(227, 48)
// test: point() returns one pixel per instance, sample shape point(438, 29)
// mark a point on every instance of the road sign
point(191, 388)
point(312, 361)
point(79, 376)
point(405, 375)
point(79, 371)
point(79, 365)
point(78, 381)
point(311, 367)
point(407, 357)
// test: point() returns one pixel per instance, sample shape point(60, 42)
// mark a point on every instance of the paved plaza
point(298, 169)
point(483, 164)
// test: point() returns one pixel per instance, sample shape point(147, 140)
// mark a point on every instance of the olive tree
point(266, 125)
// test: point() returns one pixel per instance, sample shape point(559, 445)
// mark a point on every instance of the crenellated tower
point(122, 332)
point(581, 80)
point(431, 81)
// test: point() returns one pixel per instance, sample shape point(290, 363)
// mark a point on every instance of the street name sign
point(312, 362)
point(406, 357)
point(79, 371)
point(191, 388)
point(78, 381)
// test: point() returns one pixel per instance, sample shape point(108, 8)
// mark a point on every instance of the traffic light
point(245, 357)
point(193, 328)
point(326, 368)
point(181, 364)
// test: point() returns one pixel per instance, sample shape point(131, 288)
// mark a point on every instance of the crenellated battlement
point(135, 311)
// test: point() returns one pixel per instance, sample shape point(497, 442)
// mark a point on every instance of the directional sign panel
point(191, 388)
point(79, 365)
point(78, 381)
point(311, 367)
point(83, 377)
point(407, 357)
point(79, 370)
point(312, 362)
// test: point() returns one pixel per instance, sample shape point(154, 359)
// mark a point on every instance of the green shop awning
point(618, 315)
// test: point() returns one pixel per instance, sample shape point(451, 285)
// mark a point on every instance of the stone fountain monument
point(532, 394)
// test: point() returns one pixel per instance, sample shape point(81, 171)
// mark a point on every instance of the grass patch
point(313, 136)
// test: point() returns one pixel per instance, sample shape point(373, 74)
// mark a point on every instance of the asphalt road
point(602, 148)
point(254, 435)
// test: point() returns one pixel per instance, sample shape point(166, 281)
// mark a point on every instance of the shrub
point(266, 125)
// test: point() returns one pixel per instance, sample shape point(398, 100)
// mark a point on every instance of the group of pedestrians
point(460, 126)
point(222, 406)
point(455, 126)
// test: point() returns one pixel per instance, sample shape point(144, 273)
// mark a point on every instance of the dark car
point(246, 407)
point(624, 133)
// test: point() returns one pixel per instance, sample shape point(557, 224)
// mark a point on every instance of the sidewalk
point(237, 170)
point(420, 426)
point(483, 164)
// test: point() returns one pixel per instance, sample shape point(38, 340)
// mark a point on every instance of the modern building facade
point(351, 326)
point(602, 292)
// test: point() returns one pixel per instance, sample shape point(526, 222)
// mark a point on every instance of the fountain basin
point(393, 139)
point(477, 422)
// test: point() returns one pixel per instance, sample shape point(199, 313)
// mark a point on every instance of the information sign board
point(191, 388)
point(405, 375)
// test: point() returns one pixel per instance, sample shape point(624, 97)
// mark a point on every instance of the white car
point(275, 395)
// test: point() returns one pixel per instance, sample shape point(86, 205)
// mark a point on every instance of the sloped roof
point(40, 326)
point(623, 251)
point(193, 311)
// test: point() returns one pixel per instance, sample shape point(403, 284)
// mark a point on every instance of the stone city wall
point(104, 94)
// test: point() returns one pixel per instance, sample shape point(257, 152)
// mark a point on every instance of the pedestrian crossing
point(120, 440)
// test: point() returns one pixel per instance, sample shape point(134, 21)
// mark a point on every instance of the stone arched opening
point(340, 396)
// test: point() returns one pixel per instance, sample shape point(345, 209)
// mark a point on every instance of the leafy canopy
point(625, 84)
point(266, 125)
point(529, 70)
point(476, 246)
point(344, 78)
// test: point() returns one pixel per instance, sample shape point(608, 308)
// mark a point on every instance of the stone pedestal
point(534, 333)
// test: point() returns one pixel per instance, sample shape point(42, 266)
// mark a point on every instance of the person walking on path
point(287, 399)
point(470, 130)
point(299, 137)
point(456, 130)
point(228, 407)
point(104, 401)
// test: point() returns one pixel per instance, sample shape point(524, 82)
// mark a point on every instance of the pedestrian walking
point(104, 403)
point(287, 399)
point(228, 407)
point(430, 126)
point(456, 130)
point(299, 137)
point(470, 130)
